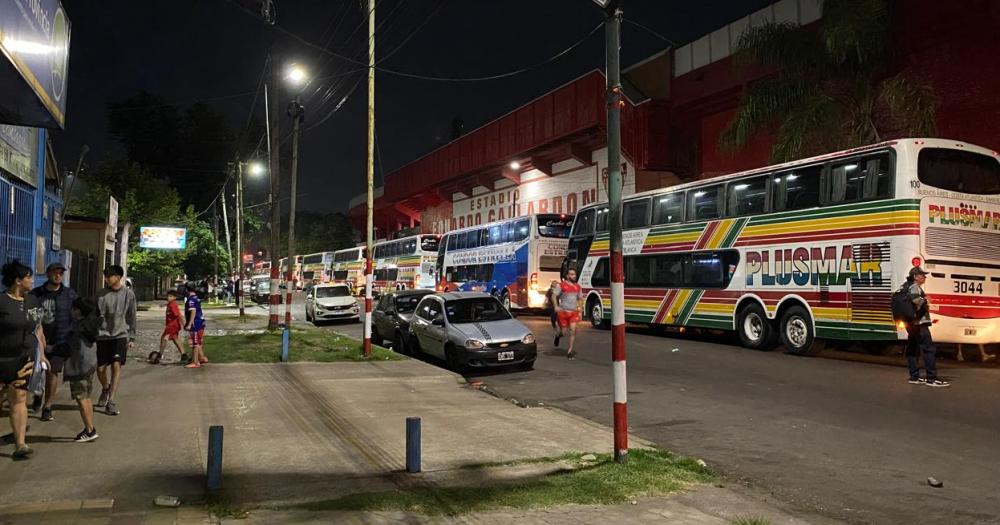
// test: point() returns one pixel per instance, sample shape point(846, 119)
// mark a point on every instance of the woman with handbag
point(20, 337)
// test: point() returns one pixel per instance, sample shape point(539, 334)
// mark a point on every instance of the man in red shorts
point(567, 306)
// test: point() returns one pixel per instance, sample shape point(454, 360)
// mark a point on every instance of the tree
point(831, 90)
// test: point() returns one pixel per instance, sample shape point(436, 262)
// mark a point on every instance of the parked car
point(471, 329)
point(328, 302)
point(391, 318)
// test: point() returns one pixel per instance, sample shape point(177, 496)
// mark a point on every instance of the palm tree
point(831, 89)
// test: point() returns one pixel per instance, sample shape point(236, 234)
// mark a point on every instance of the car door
point(436, 332)
point(379, 316)
point(420, 323)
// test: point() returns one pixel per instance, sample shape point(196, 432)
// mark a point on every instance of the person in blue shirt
point(195, 325)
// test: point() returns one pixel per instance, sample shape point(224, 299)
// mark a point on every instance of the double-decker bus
point(317, 268)
point(810, 249)
point(405, 263)
point(349, 267)
point(296, 271)
point(261, 268)
point(515, 259)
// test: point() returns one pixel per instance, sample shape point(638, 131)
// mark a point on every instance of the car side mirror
point(437, 321)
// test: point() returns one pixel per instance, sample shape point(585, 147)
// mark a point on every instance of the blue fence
point(17, 212)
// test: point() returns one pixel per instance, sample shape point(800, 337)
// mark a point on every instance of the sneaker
point(556, 341)
point(46, 414)
point(22, 452)
point(111, 409)
point(36, 404)
point(103, 400)
point(85, 436)
point(571, 354)
point(917, 381)
point(193, 365)
point(936, 383)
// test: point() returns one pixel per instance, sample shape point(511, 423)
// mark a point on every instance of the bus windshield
point(475, 310)
point(554, 225)
point(959, 171)
point(429, 244)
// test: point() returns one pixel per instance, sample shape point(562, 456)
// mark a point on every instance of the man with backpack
point(911, 307)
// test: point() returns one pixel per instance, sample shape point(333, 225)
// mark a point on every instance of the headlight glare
point(474, 343)
point(528, 339)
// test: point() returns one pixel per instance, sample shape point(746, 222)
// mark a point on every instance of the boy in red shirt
point(171, 329)
point(567, 305)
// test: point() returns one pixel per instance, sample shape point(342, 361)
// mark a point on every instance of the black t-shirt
point(18, 320)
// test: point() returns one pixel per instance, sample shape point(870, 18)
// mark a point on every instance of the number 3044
point(968, 287)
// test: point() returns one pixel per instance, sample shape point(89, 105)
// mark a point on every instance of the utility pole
point(273, 152)
point(215, 240)
point(612, 31)
point(239, 236)
point(370, 225)
point(296, 111)
point(225, 226)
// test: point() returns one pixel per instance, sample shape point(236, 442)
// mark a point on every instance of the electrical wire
point(651, 31)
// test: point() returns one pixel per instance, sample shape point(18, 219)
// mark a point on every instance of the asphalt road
point(850, 440)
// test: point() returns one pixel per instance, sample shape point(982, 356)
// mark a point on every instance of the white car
point(331, 302)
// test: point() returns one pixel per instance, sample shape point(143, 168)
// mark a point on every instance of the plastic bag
point(36, 385)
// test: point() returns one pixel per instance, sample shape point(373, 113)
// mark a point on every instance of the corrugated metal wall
point(16, 221)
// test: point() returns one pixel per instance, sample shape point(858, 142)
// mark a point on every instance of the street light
point(296, 75)
point(256, 168)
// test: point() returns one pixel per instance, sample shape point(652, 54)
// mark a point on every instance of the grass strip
point(306, 345)
point(599, 482)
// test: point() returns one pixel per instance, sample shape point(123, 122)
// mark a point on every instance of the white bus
point(515, 260)
point(405, 263)
point(349, 267)
point(812, 248)
point(296, 271)
point(317, 267)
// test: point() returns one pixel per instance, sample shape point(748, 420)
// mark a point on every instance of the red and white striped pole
point(612, 28)
point(370, 226)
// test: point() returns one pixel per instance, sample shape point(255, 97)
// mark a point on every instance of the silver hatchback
point(471, 329)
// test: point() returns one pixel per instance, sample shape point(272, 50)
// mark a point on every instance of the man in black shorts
point(56, 300)
point(116, 304)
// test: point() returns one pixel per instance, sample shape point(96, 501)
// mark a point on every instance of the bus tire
point(796, 331)
point(596, 312)
point(754, 329)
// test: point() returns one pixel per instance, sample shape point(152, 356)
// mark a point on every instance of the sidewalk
point(305, 432)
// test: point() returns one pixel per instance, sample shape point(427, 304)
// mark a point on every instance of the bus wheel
point(797, 331)
point(596, 311)
point(754, 329)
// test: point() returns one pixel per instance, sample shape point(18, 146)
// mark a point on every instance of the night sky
point(214, 50)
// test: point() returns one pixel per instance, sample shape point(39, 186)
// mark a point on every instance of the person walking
point(82, 363)
point(568, 309)
point(171, 329)
point(20, 334)
point(116, 305)
point(195, 326)
point(919, 343)
point(56, 300)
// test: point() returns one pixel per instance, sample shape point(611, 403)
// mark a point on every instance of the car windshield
point(476, 310)
point(332, 291)
point(406, 304)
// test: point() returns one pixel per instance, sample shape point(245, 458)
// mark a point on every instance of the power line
point(652, 32)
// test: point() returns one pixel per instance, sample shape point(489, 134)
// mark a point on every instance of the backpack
point(903, 309)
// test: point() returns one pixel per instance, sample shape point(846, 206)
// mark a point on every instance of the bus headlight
point(474, 344)
point(528, 339)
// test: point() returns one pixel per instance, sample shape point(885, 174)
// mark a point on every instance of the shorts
point(81, 388)
point(170, 334)
point(16, 372)
point(197, 337)
point(55, 361)
point(111, 350)
point(568, 317)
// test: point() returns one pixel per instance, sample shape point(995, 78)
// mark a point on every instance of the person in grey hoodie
point(116, 305)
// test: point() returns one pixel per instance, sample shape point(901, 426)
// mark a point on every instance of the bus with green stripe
point(808, 251)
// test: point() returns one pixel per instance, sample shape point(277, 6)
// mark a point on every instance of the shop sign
point(18, 147)
point(34, 36)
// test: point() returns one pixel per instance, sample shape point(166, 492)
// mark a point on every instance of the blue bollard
point(214, 481)
point(285, 336)
point(413, 444)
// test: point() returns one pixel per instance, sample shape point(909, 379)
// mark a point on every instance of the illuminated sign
point(160, 238)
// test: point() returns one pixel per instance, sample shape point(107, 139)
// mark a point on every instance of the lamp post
point(256, 169)
point(612, 32)
point(297, 77)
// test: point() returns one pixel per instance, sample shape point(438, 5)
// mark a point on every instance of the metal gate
point(17, 206)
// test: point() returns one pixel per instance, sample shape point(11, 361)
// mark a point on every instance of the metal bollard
point(413, 444)
point(285, 336)
point(214, 481)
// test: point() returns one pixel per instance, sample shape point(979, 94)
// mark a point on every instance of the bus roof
point(519, 217)
point(387, 241)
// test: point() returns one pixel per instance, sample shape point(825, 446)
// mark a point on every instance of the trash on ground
point(167, 501)
point(934, 482)
point(676, 350)
point(588, 457)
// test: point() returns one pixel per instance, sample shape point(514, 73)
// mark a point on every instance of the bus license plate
point(505, 356)
point(970, 331)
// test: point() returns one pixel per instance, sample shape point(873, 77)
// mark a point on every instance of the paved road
point(850, 439)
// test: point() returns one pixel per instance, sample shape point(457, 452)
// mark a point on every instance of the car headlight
point(528, 339)
point(474, 343)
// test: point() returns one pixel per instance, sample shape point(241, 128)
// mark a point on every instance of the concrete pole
point(296, 114)
point(239, 237)
point(612, 29)
point(225, 226)
point(273, 152)
point(370, 225)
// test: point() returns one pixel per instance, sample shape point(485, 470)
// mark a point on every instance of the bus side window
point(845, 181)
point(602, 219)
point(747, 197)
point(703, 203)
point(508, 232)
point(584, 224)
point(484, 237)
point(796, 190)
point(523, 226)
point(600, 276)
point(878, 178)
point(495, 235)
point(668, 208)
point(452, 241)
point(636, 214)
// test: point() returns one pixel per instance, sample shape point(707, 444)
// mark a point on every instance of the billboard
point(35, 38)
point(162, 238)
point(19, 152)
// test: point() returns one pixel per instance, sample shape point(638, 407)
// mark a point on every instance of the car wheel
point(399, 344)
point(451, 359)
point(376, 339)
point(528, 365)
point(596, 311)
point(797, 331)
point(754, 329)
